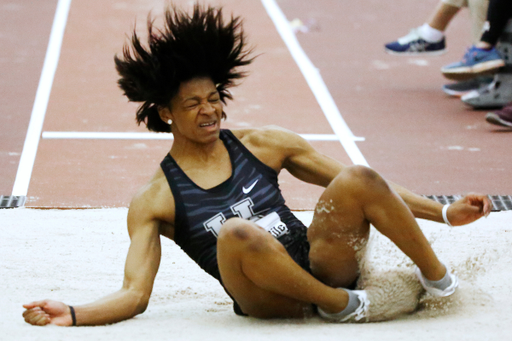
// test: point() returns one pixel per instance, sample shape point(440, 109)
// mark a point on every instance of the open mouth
point(207, 124)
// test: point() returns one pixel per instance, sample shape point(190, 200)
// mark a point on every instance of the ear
point(165, 114)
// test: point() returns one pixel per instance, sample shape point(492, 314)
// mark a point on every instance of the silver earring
point(169, 121)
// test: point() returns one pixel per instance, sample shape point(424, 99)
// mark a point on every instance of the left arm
point(307, 164)
point(464, 211)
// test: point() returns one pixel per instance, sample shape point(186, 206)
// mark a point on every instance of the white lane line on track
point(44, 88)
point(153, 136)
point(316, 83)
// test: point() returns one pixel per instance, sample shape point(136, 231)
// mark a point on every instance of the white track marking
point(153, 136)
point(316, 83)
point(35, 126)
point(313, 78)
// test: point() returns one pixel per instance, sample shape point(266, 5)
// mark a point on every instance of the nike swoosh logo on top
point(248, 189)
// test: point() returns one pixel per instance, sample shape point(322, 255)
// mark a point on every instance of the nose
point(208, 108)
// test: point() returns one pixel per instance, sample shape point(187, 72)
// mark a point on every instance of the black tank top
point(251, 192)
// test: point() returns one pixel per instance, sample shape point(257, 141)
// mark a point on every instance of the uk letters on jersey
point(244, 209)
point(251, 193)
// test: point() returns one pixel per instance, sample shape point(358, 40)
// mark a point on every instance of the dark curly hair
point(189, 46)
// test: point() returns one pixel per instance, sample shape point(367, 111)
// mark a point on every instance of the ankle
point(441, 284)
point(338, 304)
point(350, 303)
point(430, 34)
point(436, 273)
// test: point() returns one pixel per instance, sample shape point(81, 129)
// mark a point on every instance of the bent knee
point(361, 176)
point(360, 172)
point(235, 228)
point(241, 232)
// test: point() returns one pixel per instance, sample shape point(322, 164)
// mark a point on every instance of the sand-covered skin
point(78, 256)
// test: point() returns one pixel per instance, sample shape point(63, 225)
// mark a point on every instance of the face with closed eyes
point(195, 111)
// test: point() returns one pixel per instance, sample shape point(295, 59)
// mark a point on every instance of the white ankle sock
point(430, 34)
point(443, 283)
point(353, 304)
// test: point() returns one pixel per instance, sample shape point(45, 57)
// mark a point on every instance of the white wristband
point(445, 218)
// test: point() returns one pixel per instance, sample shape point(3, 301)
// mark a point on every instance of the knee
point(360, 178)
point(361, 173)
point(235, 229)
point(243, 233)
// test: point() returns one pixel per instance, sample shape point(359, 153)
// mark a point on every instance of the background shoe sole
point(455, 93)
point(464, 73)
point(462, 88)
point(496, 120)
point(411, 53)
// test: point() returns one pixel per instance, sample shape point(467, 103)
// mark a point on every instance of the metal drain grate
point(12, 201)
point(500, 202)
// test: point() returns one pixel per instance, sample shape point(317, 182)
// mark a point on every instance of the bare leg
point(442, 16)
point(357, 197)
point(478, 16)
point(265, 281)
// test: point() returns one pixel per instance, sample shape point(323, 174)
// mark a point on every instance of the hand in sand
point(41, 313)
point(468, 209)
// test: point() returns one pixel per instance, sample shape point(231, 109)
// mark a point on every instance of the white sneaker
point(359, 315)
point(436, 291)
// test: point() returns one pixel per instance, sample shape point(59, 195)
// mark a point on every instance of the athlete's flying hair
point(189, 46)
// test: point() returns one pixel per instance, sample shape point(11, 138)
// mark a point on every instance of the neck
point(185, 149)
point(206, 164)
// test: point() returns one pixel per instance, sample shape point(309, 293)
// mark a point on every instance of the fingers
point(34, 304)
point(484, 203)
point(487, 206)
point(36, 316)
point(470, 208)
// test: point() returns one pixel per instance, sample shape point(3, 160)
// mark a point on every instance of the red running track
point(413, 133)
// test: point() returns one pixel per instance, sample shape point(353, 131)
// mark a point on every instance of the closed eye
point(191, 105)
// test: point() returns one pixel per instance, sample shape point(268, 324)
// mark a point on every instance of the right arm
point(141, 266)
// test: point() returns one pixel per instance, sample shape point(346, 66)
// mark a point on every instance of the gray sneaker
point(439, 292)
point(359, 315)
point(495, 95)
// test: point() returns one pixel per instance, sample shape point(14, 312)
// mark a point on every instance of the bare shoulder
point(272, 145)
point(268, 136)
point(152, 202)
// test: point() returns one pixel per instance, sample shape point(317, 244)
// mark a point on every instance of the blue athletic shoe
point(474, 63)
point(413, 44)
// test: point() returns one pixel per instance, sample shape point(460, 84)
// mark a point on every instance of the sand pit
point(78, 256)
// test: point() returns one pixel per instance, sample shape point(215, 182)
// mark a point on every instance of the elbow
point(141, 307)
point(140, 302)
